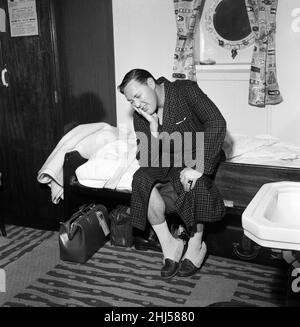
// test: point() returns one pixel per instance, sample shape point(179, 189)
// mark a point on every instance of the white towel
point(86, 139)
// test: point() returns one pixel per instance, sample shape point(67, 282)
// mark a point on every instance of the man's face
point(142, 96)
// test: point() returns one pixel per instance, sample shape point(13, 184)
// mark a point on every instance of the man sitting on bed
point(180, 106)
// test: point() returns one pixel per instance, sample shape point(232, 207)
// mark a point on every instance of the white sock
point(196, 249)
point(171, 247)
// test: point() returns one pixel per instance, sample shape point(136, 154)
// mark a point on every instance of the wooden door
point(30, 121)
point(86, 54)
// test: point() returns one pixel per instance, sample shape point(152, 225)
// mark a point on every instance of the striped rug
point(19, 241)
point(122, 277)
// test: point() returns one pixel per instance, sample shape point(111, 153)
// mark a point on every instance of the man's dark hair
point(139, 75)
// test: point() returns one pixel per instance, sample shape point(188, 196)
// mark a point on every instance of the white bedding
point(272, 152)
point(85, 139)
point(113, 165)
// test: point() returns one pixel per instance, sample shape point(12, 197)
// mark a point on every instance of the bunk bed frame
point(237, 182)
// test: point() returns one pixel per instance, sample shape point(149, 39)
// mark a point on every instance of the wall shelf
point(221, 72)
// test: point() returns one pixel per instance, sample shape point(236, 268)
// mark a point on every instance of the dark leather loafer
point(169, 269)
point(143, 244)
point(187, 268)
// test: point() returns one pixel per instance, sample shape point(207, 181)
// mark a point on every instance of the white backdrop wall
point(145, 37)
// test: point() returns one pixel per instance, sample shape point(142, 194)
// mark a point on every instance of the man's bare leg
point(171, 247)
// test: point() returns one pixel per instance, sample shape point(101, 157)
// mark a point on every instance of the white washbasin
point(272, 218)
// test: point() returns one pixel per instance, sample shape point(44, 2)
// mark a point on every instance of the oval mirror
point(228, 23)
point(231, 21)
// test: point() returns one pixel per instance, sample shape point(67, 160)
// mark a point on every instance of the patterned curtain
point(263, 88)
point(187, 14)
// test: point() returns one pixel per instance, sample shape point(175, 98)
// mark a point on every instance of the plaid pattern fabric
point(186, 109)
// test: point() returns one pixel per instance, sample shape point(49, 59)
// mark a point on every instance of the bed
point(95, 163)
point(252, 162)
point(237, 182)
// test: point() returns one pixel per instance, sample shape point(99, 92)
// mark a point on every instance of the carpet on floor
point(125, 277)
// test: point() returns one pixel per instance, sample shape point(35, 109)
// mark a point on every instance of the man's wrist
point(155, 134)
point(154, 128)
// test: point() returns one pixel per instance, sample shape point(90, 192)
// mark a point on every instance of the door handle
point(3, 72)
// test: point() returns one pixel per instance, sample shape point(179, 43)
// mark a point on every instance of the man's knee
point(156, 206)
point(156, 200)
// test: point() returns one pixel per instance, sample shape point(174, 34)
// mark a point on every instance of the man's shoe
point(187, 268)
point(169, 269)
point(143, 244)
